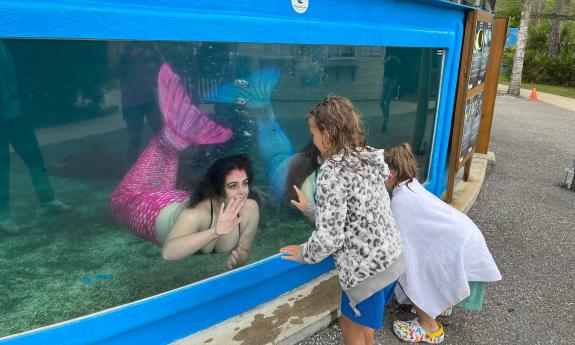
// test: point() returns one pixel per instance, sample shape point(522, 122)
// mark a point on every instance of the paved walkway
point(528, 222)
point(558, 101)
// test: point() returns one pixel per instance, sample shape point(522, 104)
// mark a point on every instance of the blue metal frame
point(178, 313)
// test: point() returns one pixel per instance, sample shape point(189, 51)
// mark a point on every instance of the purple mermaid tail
point(149, 186)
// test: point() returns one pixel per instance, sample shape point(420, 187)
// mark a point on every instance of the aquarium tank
point(111, 149)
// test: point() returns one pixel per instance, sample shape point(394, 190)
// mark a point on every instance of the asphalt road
point(528, 221)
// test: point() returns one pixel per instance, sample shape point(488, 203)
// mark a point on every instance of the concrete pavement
point(528, 222)
point(558, 101)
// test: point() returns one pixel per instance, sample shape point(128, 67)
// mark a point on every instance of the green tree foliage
point(538, 66)
point(511, 9)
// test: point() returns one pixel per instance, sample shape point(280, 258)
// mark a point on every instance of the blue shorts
point(371, 309)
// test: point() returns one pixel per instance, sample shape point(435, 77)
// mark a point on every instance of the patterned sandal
point(412, 332)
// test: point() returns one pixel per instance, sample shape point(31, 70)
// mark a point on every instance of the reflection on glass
point(16, 131)
point(225, 125)
point(392, 68)
point(137, 65)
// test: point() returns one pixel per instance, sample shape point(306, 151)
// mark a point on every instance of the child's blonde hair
point(337, 116)
point(401, 159)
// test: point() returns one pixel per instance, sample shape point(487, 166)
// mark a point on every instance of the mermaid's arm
point(185, 238)
point(241, 253)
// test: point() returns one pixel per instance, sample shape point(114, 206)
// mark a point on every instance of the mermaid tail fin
point(253, 91)
point(150, 185)
point(274, 145)
point(184, 124)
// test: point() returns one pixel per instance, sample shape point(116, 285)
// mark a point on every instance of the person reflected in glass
point(16, 130)
point(302, 173)
point(220, 217)
point(137, 64)
point(392, 65)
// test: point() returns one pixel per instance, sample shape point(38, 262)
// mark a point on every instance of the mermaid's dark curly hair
point(212, 184)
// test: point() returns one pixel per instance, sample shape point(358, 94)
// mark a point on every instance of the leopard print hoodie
point(353, 218)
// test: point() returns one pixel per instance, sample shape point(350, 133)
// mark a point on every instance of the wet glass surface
point(76, 116)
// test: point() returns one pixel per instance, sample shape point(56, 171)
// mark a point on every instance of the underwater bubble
point(241, 83)
point(240, 101)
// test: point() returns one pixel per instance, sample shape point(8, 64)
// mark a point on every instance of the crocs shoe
point(412, 332)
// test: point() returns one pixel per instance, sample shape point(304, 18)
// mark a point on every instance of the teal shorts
point(475, 299)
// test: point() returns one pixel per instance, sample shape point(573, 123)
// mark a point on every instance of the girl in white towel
point(447, 259)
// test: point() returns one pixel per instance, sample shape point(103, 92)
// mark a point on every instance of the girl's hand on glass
point(301, 203)
point(229, 218)
point(293, 253)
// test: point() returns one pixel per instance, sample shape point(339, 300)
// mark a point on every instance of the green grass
point(552, 89)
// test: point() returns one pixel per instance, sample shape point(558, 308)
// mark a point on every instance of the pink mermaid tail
point(149, 186)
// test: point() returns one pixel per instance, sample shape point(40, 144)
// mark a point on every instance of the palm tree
point(536, 16)
point(517, 69)
point(555, 37)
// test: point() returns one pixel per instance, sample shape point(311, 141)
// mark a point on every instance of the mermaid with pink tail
point(146, 196)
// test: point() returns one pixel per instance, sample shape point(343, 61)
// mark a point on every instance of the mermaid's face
point(236, 185)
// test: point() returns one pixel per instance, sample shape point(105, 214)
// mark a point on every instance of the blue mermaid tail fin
point(275, 150)
point(274, 146)
point(253, 91)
